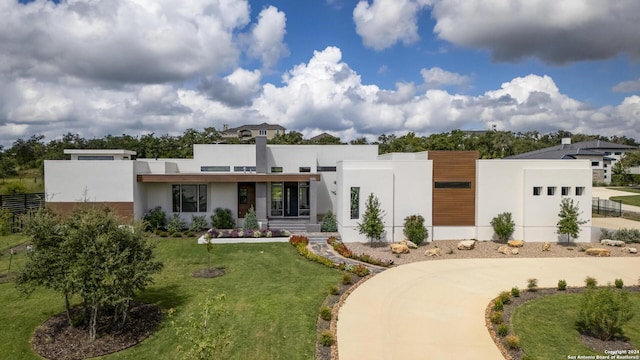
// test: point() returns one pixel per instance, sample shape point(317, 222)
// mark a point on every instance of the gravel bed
point(483, 249)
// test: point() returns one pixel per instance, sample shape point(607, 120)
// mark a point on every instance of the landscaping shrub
point(326, 338)
point(603, 312)
point(325, 313)
point(496, 317)
point(189, 234)
point(414, 229)
point(198, 223)
point(222, 219)
point(346, 279)
point(504, 297)
point(590, 283)
point(515, 292)
point(532, 284)
point(333, 290)
point(329, 223)
point(498, 305)
point(562, 285)
point(5, 222)
point(16, 187)
point(156, 218)
point(607, 234)
point(299, 239)
point(628, 235)
point(342, 249)
point(503, 330)
point(176, 224)
point(250, 220)
point(619, 283)
point(513, 342)
point(503, 226)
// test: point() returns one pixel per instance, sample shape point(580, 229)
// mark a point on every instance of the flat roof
point(224, 178)
point(98, 152)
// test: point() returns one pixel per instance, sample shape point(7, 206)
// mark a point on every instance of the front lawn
point(546, 327)
point(272, 301)
point(627, 200)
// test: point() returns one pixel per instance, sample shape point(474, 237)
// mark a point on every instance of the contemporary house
point(455, 192)
point(602, 155)
point(247, 132)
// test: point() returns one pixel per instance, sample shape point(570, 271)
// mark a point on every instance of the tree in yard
point(603, 312)
point(503, 226)
point(568, 222)
point(329, 222)
point(90, 255)
point(372, 225)
point(250, 220)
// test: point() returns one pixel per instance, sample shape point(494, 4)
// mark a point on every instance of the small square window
point(276, 169)
point(595, 163)
point(618, 153)
point(551, 190)
point(304, 169)
point(579, 190)
point(537, 190)
point(566, 190)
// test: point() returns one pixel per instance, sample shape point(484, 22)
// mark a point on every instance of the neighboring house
point(602, 155)
point(247, 132)
point(456, 193)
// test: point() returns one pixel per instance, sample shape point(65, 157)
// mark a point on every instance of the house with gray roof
point(247, 132)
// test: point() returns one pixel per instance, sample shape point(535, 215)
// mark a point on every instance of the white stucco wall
point(89, 180)
point(507, 186)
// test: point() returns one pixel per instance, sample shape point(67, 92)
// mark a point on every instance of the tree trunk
point(93, 322)
point(67, 306)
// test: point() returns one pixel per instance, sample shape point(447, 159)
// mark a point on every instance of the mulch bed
point(55, 339)
point(209, 272)
point(525, 295)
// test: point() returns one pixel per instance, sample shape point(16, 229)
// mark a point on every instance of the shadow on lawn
point(167, 297)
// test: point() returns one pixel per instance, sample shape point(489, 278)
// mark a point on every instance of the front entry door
point(246, 198)
point(291, 199)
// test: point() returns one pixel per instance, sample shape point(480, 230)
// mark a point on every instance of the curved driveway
point(435, 309)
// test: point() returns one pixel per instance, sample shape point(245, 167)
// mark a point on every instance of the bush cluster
point(329, 223)
point(515, 292)
point(222, 219)
point(235, 233)
point(325, 313)
point(562, 285)
point(176, 224)
point(503, 226)
point(603, 312)
point(626, 235)
point(198, 223)
point(156, 219)
point(590, 283)
point(342, 249)
point(326, 338)
point(414, 229)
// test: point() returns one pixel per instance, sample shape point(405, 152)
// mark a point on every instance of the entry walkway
point(435, 309)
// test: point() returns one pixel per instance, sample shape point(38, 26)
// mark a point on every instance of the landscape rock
point(610, 242)
point(630, 250)
point(409, 244)
point(515, 251)
point(433, 252)
point(466, 245)
point(598, 252)
point(504, 249)
point(546, 246)
point(515, 243)
point(399, 249)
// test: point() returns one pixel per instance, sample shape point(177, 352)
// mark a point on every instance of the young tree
point(250, 220)
point(372, 225)
point(329, 222)
point(503, 226)
point(568, 222)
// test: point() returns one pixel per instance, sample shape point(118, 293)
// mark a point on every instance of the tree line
point(30, 153)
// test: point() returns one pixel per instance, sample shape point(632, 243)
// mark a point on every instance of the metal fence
point(606, 207)
point(20, 205)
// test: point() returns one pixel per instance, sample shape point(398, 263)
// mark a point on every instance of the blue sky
point(351, 68)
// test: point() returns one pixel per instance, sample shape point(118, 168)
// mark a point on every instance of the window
point(276, 169)
point(595, 163)
point(537, 190)
point(189, 197)
point(607, 153)
point(618, 153)
point(605, 166)
point(579, 190)
point(276, 199)
point(263, 132)
point(303, 199)
point(304, 169)
point(95, 157)
point(452, 185)
point(326, 168)
point(355, 202)
point(551, 190)
point(215, 168)
point(566, 190)
point(244, 169)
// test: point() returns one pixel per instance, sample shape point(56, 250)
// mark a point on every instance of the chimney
point(566, 138)
point(261, 154)
point(225, 127)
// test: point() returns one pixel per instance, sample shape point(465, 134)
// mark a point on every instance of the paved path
point(605, 193)
point(435, 309)
point(319, 246)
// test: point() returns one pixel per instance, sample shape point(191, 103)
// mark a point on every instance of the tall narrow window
point(355, 202)
point(566, 190)
point(276, 199)
point(551, 190)
point(537, 190)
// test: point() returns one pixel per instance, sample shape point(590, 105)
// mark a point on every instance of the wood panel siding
point(123, 210)
point(223, 178)
point(454, 207)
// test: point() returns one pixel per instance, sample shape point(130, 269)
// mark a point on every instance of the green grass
point(627, 189)
point(27, 181)
point(627, 200)
point(272, 297)
point(546, 326)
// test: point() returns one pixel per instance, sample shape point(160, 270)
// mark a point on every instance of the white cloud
point(627, 86)
point(437, 77)
point(554, 31)
point(267, 37)
point(383, 23)
point(235, 90)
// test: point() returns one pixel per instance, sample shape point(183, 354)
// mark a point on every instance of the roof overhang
point(224, 178)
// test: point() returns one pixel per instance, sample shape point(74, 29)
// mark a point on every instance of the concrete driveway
point(435, 309)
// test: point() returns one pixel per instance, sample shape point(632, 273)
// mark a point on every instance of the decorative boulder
point(410, 244)
point(546, 246)
point(630, 250)
point(504, 249)
point(466, 245)
point(399, 249)
point(515, 251)
point(433, 252)
point(598, 252)
point(609, 242)
point(515, 243)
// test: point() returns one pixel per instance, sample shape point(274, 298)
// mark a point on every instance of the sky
point(347, 67)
